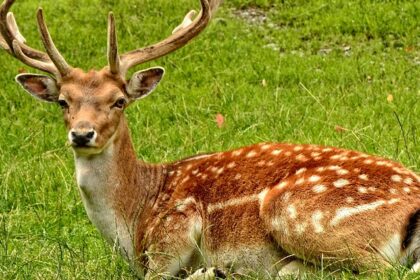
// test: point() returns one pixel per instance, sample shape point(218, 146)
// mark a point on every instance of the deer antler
point(180, 37)
point(15, 44)
point(15, 31)
point(113, 56)
point(55, 56)
point(3, 44)
point(53, 62)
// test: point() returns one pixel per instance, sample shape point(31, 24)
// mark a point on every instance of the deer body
point(278, 200)
point(264, 208)
point(252, 208)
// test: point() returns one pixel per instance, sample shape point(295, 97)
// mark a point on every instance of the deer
point(273, 208)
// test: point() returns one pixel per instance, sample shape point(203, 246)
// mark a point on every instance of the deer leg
point(173, 243)
point(416, 267)
point(207, 274)
point(294, 268)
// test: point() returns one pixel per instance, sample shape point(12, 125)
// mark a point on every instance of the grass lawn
point(344, 74)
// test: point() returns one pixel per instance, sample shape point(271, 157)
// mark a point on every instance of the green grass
point(325, 66)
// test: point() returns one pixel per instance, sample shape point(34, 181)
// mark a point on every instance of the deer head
point(93, 102)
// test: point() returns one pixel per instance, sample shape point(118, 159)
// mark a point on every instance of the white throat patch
point(97, 184)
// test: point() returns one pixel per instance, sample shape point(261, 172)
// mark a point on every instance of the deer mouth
point(86, 150)
point(81, 146)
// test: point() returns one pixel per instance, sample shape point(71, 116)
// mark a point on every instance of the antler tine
point(188, 19)
point(14, 43)
point(3, 44)
point(170, 44)
point(4, 29)
point(113, 57)
point(9, 31)
point(38, 64)
point(11, 21)
point(62, 66)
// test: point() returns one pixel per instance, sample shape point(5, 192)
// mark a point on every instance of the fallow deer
point(265, 208)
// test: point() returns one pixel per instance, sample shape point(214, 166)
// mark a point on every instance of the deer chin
point(87, 151)
point(94, 150)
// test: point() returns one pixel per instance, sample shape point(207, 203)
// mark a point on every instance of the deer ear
point(142, 83)
point(40, 86)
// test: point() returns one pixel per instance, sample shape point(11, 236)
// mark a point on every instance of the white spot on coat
point(362, 189)
point(276, 152)
point(334, 167)
point(261, 163)
point(237, 153)
point(232, 202)
point(265, 147)
point(281, 185)
point(363, 177)
point(393, 191)
point(342, 172)
point(335, 157)
point(314, 178)
point(300, 228)
point(316, 221)
point(301, 170)
point(349, 199)
point(319, 188)
point(346, 212)
point(286, 196)
point(291, 209)
point(396, 178)
point(280, 225)
point(393, 201)
point(300, 181)
point(301, 157)
point(408, 181)
point(297, 148)
point(341, 183)
point(251, 154)
point(231, 165)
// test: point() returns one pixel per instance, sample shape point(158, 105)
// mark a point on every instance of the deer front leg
point(173, 242)
point(207, 274)
point(295, 268)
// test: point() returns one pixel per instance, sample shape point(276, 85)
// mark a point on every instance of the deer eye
point(120, 103)
point(63, 104)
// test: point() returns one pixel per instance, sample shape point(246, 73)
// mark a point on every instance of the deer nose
point(82, 138)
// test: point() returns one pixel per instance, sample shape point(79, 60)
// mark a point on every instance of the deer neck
point(118, 190)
